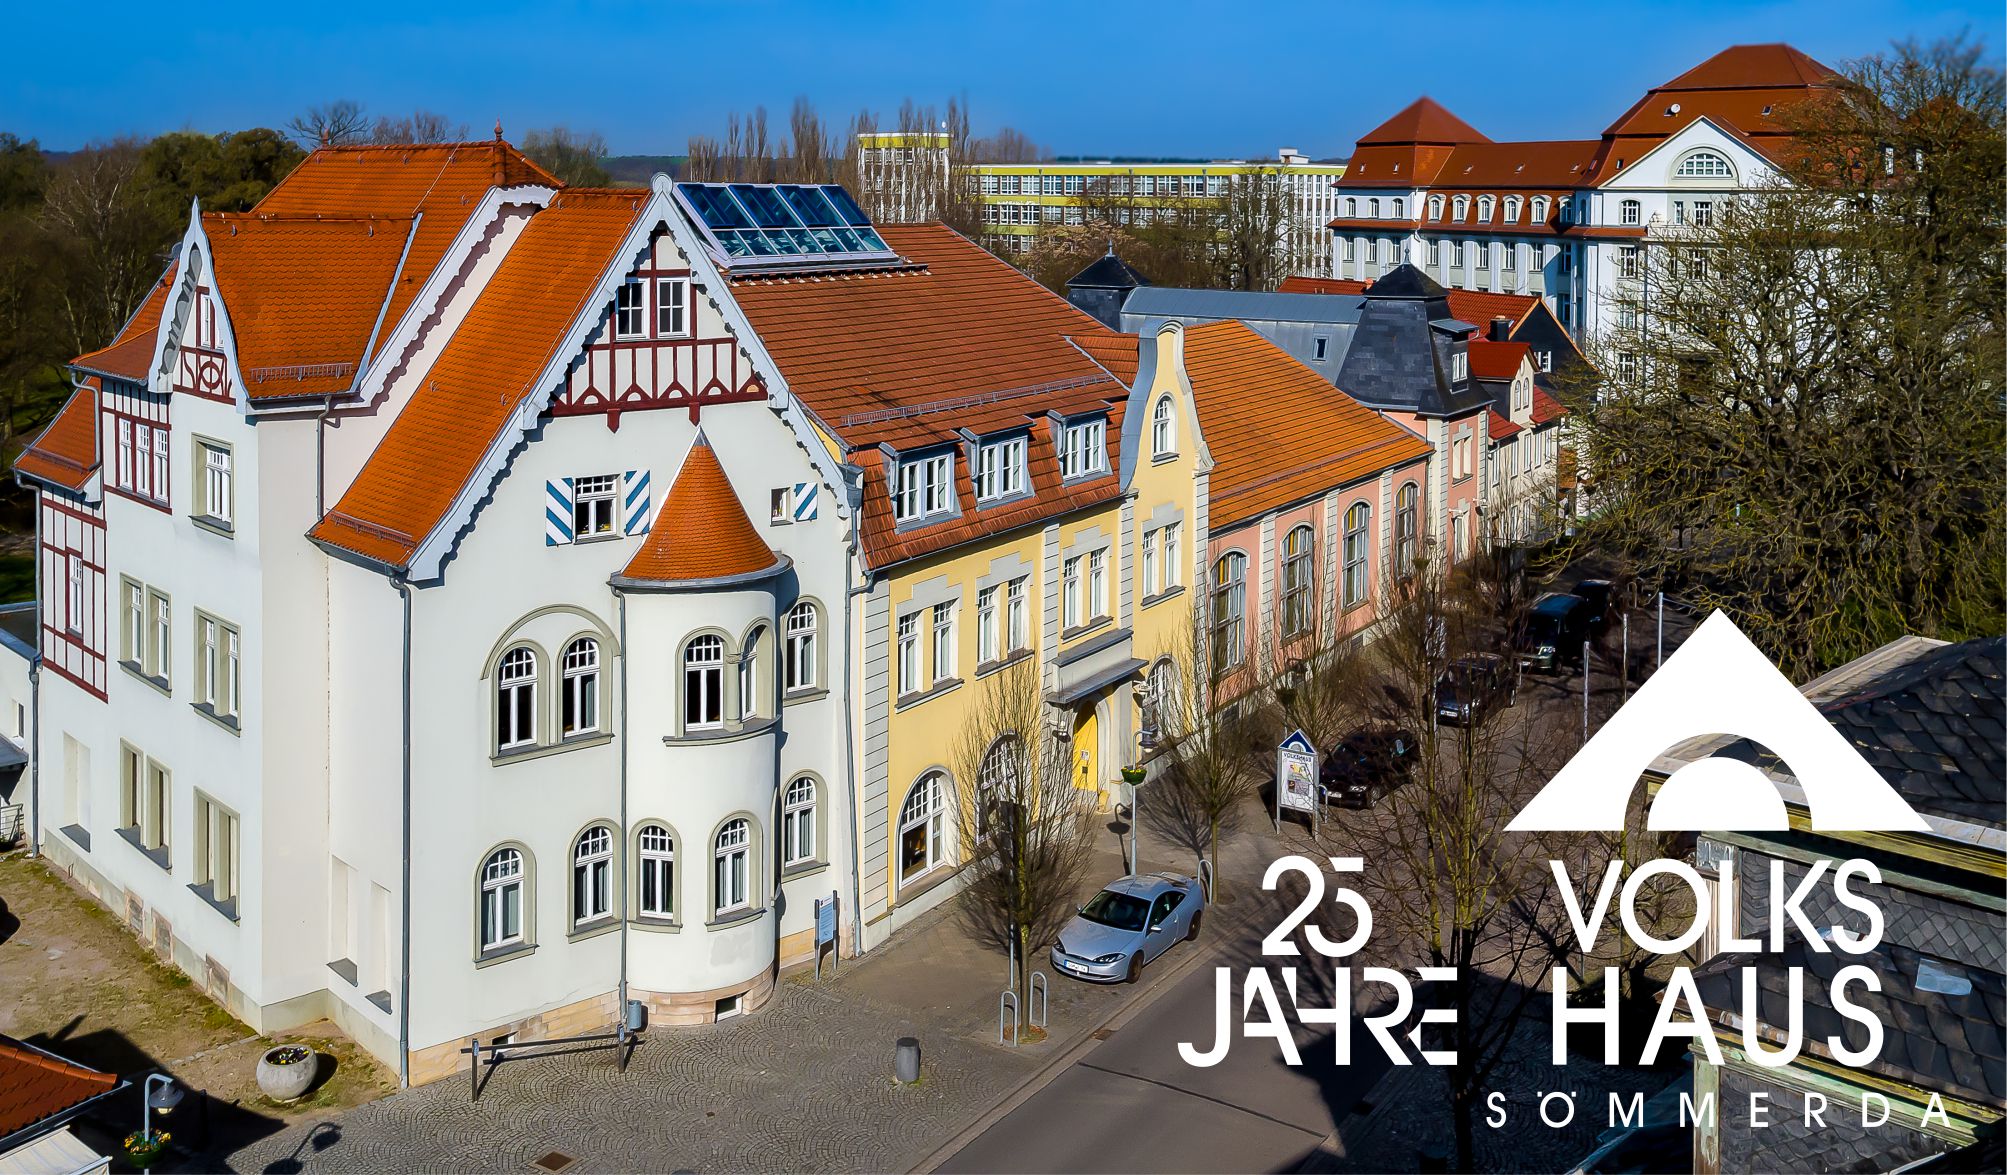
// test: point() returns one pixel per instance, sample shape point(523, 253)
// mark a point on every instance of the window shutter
point(557, 512)
point(804, 501)
point(634, 492)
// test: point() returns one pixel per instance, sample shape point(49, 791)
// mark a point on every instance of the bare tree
point(1022, 830)
point(420, 126)
point(111, 243)
point(1801, 419)
point(1448, 886)
point(331, 124)
point(1206, 770)
point(1254, 216)
point(809, 151)
point(577, 158)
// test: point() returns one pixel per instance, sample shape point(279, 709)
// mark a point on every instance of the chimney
point(1501, 329)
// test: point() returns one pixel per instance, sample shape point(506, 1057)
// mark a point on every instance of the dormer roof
point(701, 537)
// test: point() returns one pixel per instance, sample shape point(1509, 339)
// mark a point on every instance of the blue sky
point(1170, 77)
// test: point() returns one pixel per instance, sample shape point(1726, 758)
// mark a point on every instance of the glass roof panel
point(716, 206)
point(846, 206)
point(810, 206)
point(768, 210)
point(785, 223)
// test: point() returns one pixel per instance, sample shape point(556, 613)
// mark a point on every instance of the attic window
point(1672, 110)
point(1767, 110)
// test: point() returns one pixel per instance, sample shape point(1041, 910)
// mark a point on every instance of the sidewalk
point(804, 1084)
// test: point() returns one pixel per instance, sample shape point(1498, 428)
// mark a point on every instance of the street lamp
point(162, 1094)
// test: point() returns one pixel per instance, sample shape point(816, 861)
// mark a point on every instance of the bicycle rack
point(1041, 996)
point(1008, 1014)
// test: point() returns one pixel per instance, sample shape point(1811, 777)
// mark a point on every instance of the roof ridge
point(41, 1058)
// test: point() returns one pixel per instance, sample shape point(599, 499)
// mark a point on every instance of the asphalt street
point(1132, 1103)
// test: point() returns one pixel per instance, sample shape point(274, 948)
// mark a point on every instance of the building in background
point(1566, 220)
point(901, 174)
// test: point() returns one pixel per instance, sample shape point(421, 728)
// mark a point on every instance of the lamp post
point(161, 1094)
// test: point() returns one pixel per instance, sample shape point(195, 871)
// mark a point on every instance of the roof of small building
point(1107, 272)
point(478, 382)
point(701, 534)
point(1497, 360)
point(1176, 302)
point(36, 1085)
point(961, 344)
point(1398, 359)
point(65, 454)
point(1254, 401)
point(439, 184)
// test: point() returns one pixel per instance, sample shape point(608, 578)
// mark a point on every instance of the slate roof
point(1397, 359)
point(1469, 305)
point(1108, 272)
point(66, 452)
point(1254, 401)
point(701, 534)
point(1213, 305)
point(36, 1086)
point(1952, 1043)
point(482, 375)
point(911, 359)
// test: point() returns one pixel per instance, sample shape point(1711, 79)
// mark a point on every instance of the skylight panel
point(715, 205)
point(767, 208)
point(851, 213)
point(759, 227)
point(810, 206)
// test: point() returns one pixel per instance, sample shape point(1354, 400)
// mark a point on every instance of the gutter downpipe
point(850, 752)
point(403, 587)
point(620, 600)
point(35, 704)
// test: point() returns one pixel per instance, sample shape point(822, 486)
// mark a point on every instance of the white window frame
point(1097, 583)
point(1153, 541)
point(501, 871)
point(1174, 574)
point(798, 665)
point(909, 654)
point(924, 487)
point(630, 310)
point(944, 641)
point(1017, 614)
point(1164, 426)
point(731, 867)
point(219, 493)
point(1357, 575)
point(923, 811)
point(798, 829)
point(704, 682)
point(1083, 448)
point(592, 876)
point(1071, 599)
point(672, 308)
point(1299, 581)
point(595, 506)
point(1630, 213)
point(988, 638)
point(1000, 468)
point(516, 699)
point(656, 869)
point(580, 686)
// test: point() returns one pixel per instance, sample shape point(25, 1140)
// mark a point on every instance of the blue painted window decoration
point(557, 512)
point(804, 501)
point(634, 486)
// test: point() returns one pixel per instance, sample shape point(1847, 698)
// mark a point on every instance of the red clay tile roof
point(1489, 360)
point(910, 359)
point(482, 375)
point(445, 182)
point(1117, 353)
point(67, 451)
point(1543, 164)
point(1546, 409)
point(701, 532)
point(1407, 150)
point(1279, 432)
point(303, 294)
point(1500, 428)
point(1744, 88)
point(128, 355)
point(35, 1085)
point(1424, 120)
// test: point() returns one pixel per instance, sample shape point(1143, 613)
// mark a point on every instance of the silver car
point(1128, 924)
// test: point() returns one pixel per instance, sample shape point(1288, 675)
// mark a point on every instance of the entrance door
point(1086, 750)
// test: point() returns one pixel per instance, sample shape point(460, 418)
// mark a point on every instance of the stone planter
point(285, 1072)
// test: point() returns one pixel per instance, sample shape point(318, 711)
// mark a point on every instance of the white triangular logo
point(1717, 683)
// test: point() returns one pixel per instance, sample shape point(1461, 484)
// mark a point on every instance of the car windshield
point(1542, 628)
point(1119, 910)
point(1456, 685)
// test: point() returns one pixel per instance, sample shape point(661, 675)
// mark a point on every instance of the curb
point(1154, 985)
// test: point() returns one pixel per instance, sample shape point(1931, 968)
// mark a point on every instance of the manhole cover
point(554, 1162)
point(1102, 1033)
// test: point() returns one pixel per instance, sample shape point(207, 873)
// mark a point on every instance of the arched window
point(1373, 209)
point(502, 899)
point(1351, 207)
point(581, 687)
point(921, 846)
point(798, 822)
point(1400, 208)
point(1462, 206)
point(749, 673)
point(1229, 610)
point(1630, 212)
point(1297, 578)
point(1356, 520)
point(1540, 209)
point(1704, 165)
point(657, 882)
point(999, 782)
point(1163, 428)
point(1512, 210)
point(1435, 207)
point(1406, 503)
point(1484, 207)
point(592, 876)
point(732, 867)
point(516, 699)
point(704, 683)
point(1161, 709)
point(798, 668)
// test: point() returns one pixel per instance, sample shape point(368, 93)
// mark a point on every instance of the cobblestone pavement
point(803, 1084)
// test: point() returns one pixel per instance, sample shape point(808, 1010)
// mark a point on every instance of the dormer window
point(1083, 448)
point(1630, 212)
point(1704, 165)
point(1400, 209)
point(630, 310)
point(1000, 468)
point(1512, 210)
point(1352, 207)
point(1540, 209)
point(922, 487)
point(1459, 365)
point(1462, 207)
point(1435, 207)
point(1484, 206)
point(1373, 209)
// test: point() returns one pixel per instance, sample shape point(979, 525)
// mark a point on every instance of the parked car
point(1365, 765)
point(1473, 687)
point(1600, 595)
point(1126, 925)
point(1550, 638)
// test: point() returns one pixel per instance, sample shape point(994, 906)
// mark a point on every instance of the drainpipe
point(850, 756)
point(403, 587)
point(35, 703)
point(620, 752)
point(320, 456)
